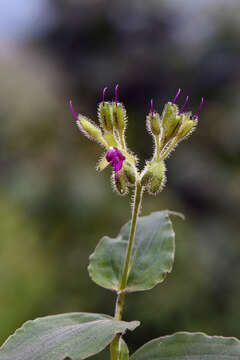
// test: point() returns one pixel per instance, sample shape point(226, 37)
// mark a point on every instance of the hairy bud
point(157, 181)
point(90, 130)
point(153, 123)
point(119, 117)
point(120, 184)
point(146, 175)
point(186, 127)
point(153, 176)
point(105, 116)
point(169, 113)
point(129, 172)
point(172, 128)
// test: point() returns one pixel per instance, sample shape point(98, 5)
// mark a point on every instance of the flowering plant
point(138, 259)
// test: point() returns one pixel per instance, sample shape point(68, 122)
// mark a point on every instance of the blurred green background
point(54, 207)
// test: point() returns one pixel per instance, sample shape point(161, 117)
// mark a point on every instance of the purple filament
point(182, 108)
point(151, 102)
point(103, 94)
point(116, 89)
point(200, 107)
point(71, 107)
point(176, 96)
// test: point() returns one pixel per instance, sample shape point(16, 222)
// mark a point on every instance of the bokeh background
point(54, 208)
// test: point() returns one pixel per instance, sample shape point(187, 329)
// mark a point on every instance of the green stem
point(119, 305)
point(136, 207)
point(157, 141)
point(169, 149)
point(114, 346)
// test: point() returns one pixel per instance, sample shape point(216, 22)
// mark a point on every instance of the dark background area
point(54, 206)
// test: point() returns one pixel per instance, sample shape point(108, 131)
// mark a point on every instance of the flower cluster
point(167, 129)
point(111, 134)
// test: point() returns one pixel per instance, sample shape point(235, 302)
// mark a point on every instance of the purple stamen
point(116, 158)
point(182, 108)
point(71, 107)
point(103, 94)
point(116, 89)
point(152, 110)
point(176, 96)
point(200, 107)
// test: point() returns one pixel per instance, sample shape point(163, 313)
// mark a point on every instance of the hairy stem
point(136, 207)
point(169, 149)
point(114, 347)
point(157, 142)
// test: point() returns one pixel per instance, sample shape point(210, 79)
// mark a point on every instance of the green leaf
point(124, 352)
point(189, 346)
point(152, 254)
point(76, 336)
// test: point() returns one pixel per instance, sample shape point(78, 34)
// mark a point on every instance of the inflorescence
point(167, 129)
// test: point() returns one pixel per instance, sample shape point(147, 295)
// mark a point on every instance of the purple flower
point(116, 158)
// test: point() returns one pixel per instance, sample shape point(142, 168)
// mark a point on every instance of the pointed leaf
point(76, 336)
point(152, 254)
point(189, 346)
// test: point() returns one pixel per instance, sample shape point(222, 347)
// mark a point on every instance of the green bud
point(155, 184)
point(153, 176)
point(120, 184)
point(129, 172)
point(171, 129)
point(90, 130)
point(105, 116)
point(186, 129)
point(153, 123)
point(158, 178)
point(146, 175)
point(169, 113)
point(119, 117)
point(186, 126)
point(110, 139)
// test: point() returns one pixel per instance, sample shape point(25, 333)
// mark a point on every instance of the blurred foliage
point(54, 208)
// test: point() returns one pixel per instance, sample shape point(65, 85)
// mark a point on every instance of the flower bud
point(119, 117)
point(146, 175)
point(105, 116)
point(158, 178)
point(171, 129)
point(153, 176)
point(153, 123)
point(155, 185)
point(169, 113)
point(129, 172)
point(90, 130)
point(120, 184)
point(186, 127)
